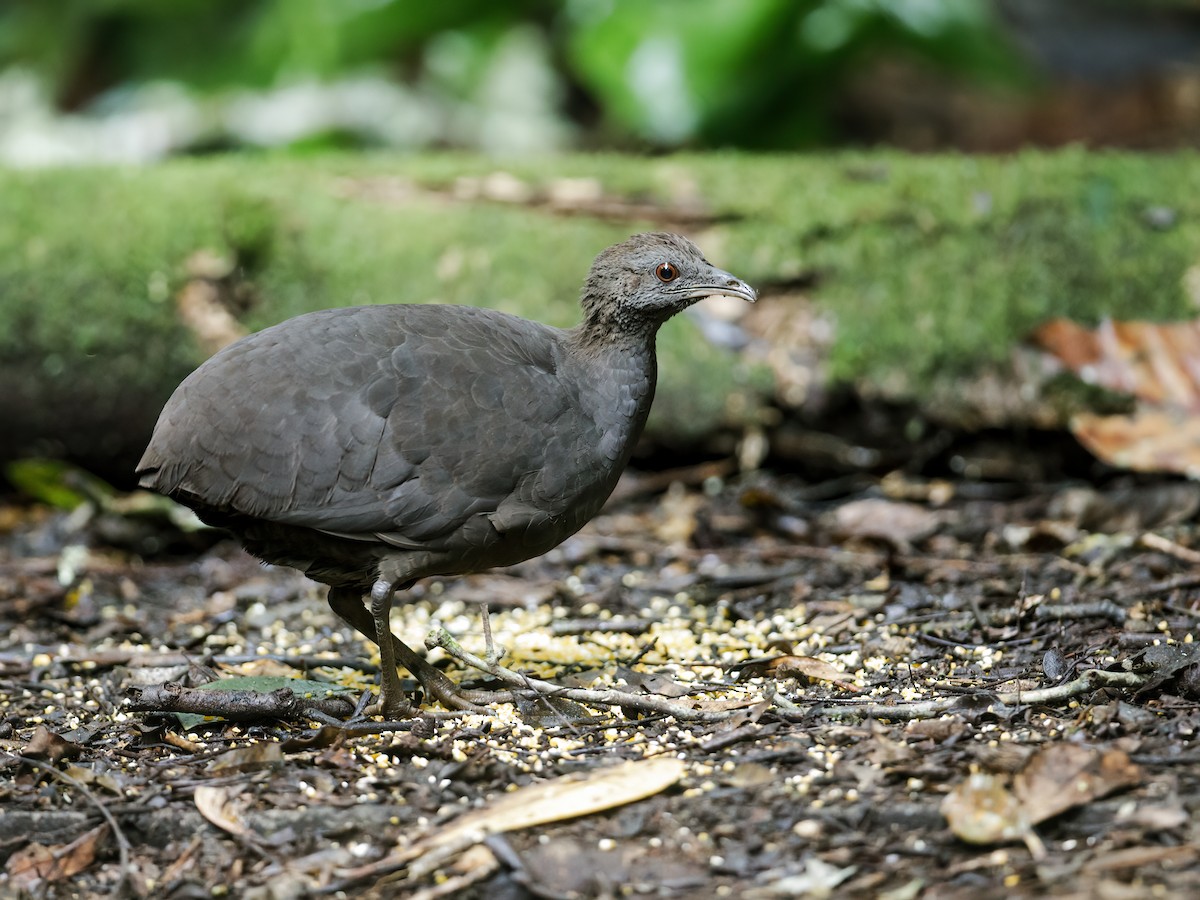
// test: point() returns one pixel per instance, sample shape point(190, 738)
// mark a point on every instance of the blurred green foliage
point(763, 73)
point(750, 73)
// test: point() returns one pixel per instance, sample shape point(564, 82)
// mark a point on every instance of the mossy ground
point(932, 265)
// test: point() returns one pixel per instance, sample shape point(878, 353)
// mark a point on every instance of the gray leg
point(391, 694)
point(348, 605)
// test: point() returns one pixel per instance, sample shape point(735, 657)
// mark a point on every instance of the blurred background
point(890, 206)
point(136, 80)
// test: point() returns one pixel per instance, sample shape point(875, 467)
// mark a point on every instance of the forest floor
point(900, 688)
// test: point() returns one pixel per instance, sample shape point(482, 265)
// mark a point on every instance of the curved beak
point(720, 282)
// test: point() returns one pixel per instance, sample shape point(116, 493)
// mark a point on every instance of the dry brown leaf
point(109, 781)
point(934, 729)
point(1137, 857)
point(750, 775)
point(983, 810)
point(653, 683)
point(569, 796)
point(248, 758)
point(37, 862)
point(811, 668)
point(882, 751)
point(1063, 776)
point(1159, 365)
point(181, 743)
point(1149, 440)
point(898, 523)
point(45, 744)
point(475, 864)
point(817, 879)
point(1155, 362)
point(722, 705)
point(1157, 818)
point(216, 805)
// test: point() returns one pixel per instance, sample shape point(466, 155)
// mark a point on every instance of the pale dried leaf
point(108, 781)
point(216, 804)
point(813, 669)
point(1063, 776)
point(1140, 857)
point(1149, 440)
point(653, 683)
point(1157, 817)
point(248, 758)
point(896, 522)
point(819, 879)
point(560, 798)
point(982, 810)
point(1159, 365)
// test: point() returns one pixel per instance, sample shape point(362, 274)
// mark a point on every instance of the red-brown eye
point(666, 272)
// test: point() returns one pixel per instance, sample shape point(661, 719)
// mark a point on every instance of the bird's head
point(640, 283)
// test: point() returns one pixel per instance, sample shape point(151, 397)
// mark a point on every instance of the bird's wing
point(401, 421)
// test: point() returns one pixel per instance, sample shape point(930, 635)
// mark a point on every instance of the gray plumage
point(373, 446)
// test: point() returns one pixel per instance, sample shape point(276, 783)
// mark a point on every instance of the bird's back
point(465, 436)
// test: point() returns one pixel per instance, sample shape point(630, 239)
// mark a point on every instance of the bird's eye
point(666, 272)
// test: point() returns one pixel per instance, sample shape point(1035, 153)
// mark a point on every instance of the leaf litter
point(1158, 364)
point(825, 702)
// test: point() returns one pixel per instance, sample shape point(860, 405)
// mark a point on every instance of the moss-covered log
point(932, 267)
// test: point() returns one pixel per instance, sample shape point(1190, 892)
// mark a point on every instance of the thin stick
point(1089, 680)
point(439, 637)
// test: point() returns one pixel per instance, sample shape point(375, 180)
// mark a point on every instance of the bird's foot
point(402, 711)
point(452, 697)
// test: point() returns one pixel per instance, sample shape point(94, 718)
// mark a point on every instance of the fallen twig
point(1000, 618)
point(1167, 585)
point(236, 705)
point(567, 627)
point(1153, 541)
point(1088, 680)
point(534, 687)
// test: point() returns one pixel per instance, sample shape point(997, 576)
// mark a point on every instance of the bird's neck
point(605, 331)
point(616, 372)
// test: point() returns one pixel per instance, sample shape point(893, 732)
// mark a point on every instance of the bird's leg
point(347, 604)
point(391, 694)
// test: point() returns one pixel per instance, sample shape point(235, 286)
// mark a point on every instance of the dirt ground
point(899, 688)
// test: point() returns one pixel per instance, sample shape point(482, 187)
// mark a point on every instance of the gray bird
point(373, 446)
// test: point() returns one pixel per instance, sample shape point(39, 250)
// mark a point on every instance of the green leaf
point(56, 483)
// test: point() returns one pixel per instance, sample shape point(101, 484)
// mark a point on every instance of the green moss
point(931, 265)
